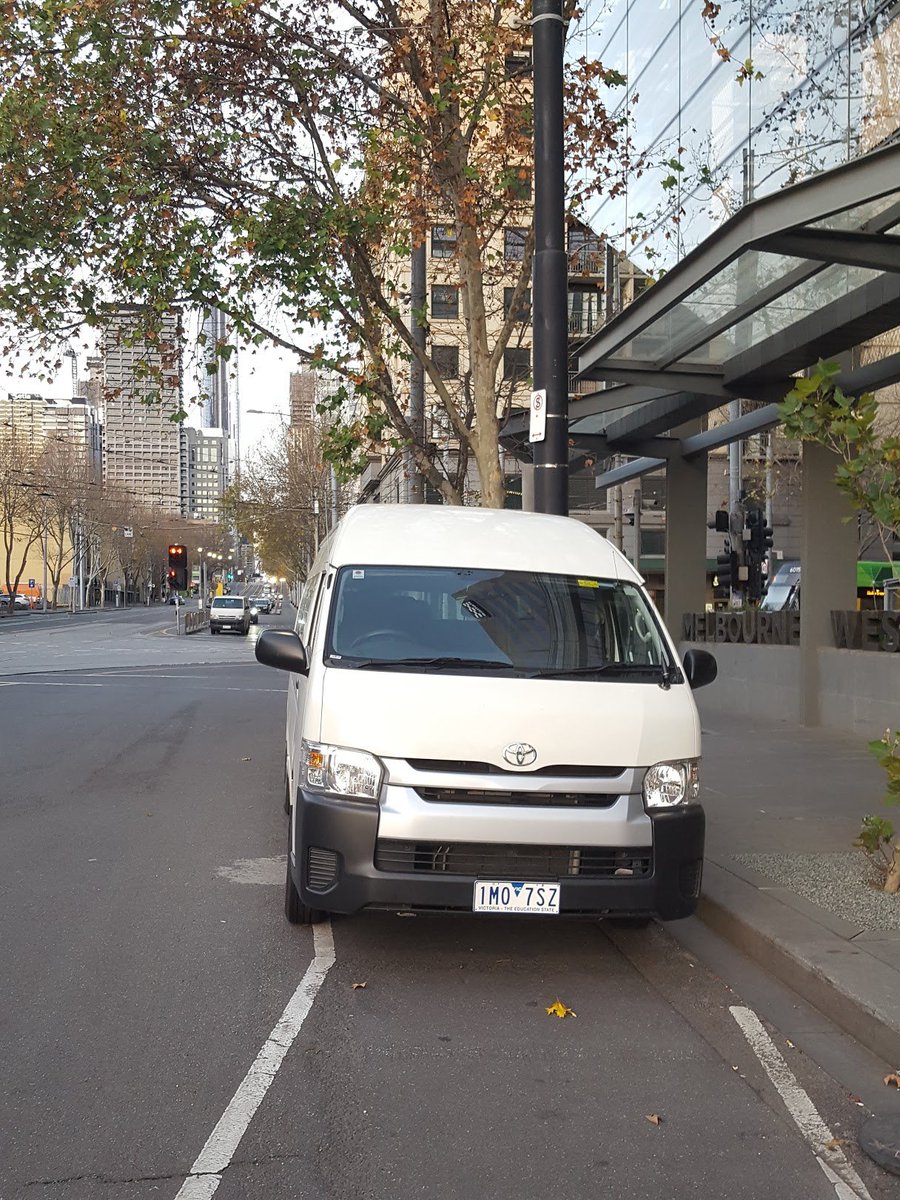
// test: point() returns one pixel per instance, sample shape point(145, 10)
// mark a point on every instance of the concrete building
point(143, 449)
point(206, 460)
point(40, 419)
point(302, 397)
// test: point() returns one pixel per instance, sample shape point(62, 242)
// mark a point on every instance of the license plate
point(503, 896)
point(226, 624)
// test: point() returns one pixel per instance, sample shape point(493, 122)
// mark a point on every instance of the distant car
point(230, 612)
point(20, 602)
point(263, 603)
point(176, 599)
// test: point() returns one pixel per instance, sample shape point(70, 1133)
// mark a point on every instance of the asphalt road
point(146, 962)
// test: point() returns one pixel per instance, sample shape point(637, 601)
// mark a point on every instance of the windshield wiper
point(666, 675)
point(435, 664)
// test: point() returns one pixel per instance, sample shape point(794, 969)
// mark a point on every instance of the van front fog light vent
point(321, 869)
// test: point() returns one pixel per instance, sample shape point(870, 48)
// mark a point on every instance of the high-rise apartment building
point(143, 448)
point(302, 397)
point(72, 423)
point(206, 458)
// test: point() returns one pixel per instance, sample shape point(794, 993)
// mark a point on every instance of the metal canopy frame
point(808, 272)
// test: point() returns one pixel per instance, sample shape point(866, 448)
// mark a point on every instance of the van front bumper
point(335, 869)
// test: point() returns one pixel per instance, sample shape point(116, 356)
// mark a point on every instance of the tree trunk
point(892, 883)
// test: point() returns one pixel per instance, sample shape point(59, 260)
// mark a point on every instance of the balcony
point(587, 262)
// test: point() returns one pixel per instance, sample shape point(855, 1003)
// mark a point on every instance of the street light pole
point(550, 350)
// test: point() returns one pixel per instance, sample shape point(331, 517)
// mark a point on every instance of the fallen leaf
point(835, 1143)
point(247, 759)
point(734, 1068)
point(359, 985)
point(653, 1119)
point(892, 1080)
point(558, 1009)
point(788, 1042)
point(856, 1100)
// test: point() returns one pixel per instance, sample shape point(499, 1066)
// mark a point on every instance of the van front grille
point(487, 861)
point(463, 767)
point(539, 799)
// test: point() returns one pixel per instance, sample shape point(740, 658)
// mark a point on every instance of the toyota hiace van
point(485, 713)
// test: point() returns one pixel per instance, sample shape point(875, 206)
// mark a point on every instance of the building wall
point(143, 448)
point(860, 689)
point(824, 89)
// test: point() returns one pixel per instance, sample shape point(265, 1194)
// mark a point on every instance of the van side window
point(318, 605)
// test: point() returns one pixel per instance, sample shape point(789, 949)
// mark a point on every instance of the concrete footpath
point(782, 881)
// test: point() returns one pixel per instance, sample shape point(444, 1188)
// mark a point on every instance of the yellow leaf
point(558, 1009)
point(653, 1119)
point(892, 1080)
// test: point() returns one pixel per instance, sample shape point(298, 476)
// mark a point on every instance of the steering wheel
point(642, 630)
point(374, 634)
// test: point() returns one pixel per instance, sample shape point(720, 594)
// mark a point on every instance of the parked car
point(230, 612)
point(488, 715)
point(19, 601)
point(176, 599)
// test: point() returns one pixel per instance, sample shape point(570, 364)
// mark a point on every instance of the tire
point(246, 631)
point(295, 910)
point(213, 631)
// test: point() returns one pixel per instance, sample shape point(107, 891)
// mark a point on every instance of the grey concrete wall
point(758, 680)
point(860, 689)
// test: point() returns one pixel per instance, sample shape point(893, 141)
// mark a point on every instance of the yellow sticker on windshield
point(588, 583)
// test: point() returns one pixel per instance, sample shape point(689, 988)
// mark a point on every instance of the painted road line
point(206, 1173)
point(838, 1170)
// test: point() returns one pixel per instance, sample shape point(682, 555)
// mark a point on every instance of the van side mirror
point(282, 648)
point(699, 668)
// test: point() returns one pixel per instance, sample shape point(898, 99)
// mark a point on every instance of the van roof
point(443, 535)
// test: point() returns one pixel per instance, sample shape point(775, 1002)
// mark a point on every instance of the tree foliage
point(868, 470)
point(279, 159)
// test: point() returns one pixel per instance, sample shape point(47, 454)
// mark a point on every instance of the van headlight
point(340, 771)
point(669, 783)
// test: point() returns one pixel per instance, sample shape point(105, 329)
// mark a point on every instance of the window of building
point(653, 541)
point(517, 363)
point(446, 359)
point(517, 62)
point(444, 301)
point(443, 241)
point(514, 244)
point(523, 309)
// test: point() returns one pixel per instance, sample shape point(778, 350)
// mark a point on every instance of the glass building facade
point(820, 85)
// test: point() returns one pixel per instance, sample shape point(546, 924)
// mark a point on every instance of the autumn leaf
point(653, 1118)
point(354, 986)
point(892, 1080)
point(558, 1009)
point(834, 1143)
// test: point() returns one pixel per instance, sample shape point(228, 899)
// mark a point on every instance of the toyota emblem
point(520, 754)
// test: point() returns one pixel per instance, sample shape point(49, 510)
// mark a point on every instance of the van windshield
point(228, 602)
point(485, 620)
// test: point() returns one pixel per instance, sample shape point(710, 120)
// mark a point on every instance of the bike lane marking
point(206, 1173)
point(835, 1164)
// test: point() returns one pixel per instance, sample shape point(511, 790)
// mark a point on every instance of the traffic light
point(760, 539)
point(721, 522)
point(726, 570)
point(178, 573)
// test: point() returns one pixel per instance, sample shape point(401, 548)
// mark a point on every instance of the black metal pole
point(550, 283)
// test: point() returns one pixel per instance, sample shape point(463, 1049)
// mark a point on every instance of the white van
point(486, 714)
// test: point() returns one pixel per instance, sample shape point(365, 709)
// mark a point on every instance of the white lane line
point(206, 1173)
point(47, 683)
point(847, 1184)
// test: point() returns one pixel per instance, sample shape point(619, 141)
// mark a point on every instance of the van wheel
point(295, 910)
